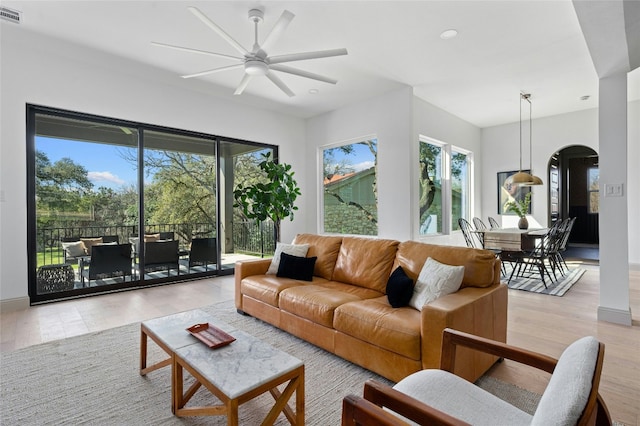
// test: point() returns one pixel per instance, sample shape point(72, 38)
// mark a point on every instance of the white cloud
point(105, 177)
point(363, 166)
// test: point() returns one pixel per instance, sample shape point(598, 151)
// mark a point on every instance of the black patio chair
point(108, 260)
point(160, 255)
point(204, 252)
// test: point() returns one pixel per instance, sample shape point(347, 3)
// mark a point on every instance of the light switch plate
point(613, 190)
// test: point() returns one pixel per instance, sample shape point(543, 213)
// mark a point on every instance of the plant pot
point(523, 223)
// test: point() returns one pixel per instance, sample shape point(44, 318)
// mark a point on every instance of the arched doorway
point(573, 192)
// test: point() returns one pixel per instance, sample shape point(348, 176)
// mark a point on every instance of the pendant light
point(535, 180)
point(523, 178)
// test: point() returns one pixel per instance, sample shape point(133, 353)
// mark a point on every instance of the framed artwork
point(507, 191)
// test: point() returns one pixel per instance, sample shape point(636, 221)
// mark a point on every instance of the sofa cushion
point(90, 242)
point(292, 249)
point(479, 265)
point(314, 302)
point(435, 280)
point(296, 267)
point(74, 248)
point(267, 288)
point(374, 321)
point(365, 262)
point(399, 288)
point(325, 248)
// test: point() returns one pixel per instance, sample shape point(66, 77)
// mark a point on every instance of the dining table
point(511, 239)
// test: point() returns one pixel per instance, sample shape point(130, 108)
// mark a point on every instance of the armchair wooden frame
point(368, 410)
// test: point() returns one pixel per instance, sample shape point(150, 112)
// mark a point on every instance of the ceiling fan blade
point(243, 84)
point(277, 30)
point(198, 74)
point(271, 76)
point(222, 33)
point(202, 52)
point(302, 73)
point(306, 55)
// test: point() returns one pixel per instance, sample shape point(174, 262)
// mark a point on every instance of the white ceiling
point(502, 48)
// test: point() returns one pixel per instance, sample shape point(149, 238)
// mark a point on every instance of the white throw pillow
point(435, 280)
point(74, 248)
point(299, 250)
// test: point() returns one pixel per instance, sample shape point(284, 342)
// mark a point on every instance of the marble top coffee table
point(235, 373)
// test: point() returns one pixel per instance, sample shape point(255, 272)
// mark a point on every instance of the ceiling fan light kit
point(257, 62)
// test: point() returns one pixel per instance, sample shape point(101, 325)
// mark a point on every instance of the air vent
point(10, 15)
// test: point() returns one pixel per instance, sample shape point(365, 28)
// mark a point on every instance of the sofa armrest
point(247, 268)
point(480, 311)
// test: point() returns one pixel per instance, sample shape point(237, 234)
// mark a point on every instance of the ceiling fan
point(257, 62)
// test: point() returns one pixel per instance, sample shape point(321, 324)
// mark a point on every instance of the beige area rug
point(93, 379)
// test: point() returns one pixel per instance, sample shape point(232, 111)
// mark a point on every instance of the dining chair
point(494, 223)
point(540, 258)
point(467, 232)
point(108, 260)
point(562, 245)
point(439, 397)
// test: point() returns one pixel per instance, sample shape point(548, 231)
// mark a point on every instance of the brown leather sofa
point(345, 310)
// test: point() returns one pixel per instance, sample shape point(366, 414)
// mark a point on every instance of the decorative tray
point(210, 335)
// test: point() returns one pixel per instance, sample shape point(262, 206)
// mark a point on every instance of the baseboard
point(634, 266)
point(616, 316)
point(16, 304)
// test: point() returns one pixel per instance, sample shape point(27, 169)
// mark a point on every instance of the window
point(460, 186)
point(444, 187)
point(593, 174)
point(350, 197)
point(163, 196)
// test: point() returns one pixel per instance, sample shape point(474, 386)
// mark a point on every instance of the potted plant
point(271, 200)
point(521, 208)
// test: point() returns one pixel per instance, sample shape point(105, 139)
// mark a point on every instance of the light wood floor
point(541, 323)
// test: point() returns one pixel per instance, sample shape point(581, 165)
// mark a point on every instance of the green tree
point(333, 167)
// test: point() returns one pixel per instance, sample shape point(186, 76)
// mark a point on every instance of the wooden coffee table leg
point(143, 352)
point(300, 399)
point(176, 385)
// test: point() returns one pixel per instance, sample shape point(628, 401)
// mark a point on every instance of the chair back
point(110, 259)
point(163, 253)
point(169, 235)
point(494, 223)
point(204, 251)
point(571, 397)
point(110, 239)
point(479, 224)
point(467, 229)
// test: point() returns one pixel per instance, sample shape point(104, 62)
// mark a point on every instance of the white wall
point(500, 147)
point(397, 119)
point(435, 123)
point(46, 72)
point(388, 117)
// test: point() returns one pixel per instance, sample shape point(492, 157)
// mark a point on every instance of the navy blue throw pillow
point(399, 288)
point(296, 267)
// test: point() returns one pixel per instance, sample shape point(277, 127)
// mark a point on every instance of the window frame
point(446, 186)
point(320, 174)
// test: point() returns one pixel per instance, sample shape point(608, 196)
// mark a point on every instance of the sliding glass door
point(116, 204)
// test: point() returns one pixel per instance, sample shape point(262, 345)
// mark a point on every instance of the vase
point(523, 223)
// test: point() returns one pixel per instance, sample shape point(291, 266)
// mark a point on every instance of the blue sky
point(360, 159)
point(104, 163)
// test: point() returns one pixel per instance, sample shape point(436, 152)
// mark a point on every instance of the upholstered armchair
point(438, 397)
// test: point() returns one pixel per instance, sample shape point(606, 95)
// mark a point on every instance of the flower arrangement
point(521, 208)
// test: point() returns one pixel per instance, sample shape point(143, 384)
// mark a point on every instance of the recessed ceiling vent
point(10, 15)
